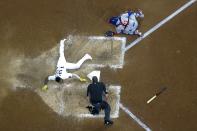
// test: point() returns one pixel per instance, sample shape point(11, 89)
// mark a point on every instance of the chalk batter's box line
point(185, 6)
point(160, 24)
point(123, 44)
point(117, 107)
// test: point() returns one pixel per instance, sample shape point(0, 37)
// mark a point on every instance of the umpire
point(96, 90)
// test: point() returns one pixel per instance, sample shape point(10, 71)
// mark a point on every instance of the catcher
point(126, 23)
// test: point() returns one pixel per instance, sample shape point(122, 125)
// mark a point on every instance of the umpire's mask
point(94, 79)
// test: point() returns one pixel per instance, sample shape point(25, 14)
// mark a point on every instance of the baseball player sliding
point(62, 66)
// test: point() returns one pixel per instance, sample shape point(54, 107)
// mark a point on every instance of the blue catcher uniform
point(127, 23)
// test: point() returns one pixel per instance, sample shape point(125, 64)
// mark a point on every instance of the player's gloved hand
point(45, 88)
point(82, 79)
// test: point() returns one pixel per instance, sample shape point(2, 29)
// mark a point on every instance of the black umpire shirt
point(96, 91)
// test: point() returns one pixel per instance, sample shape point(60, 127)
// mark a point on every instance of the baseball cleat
point(88, 57)
point(108, 122)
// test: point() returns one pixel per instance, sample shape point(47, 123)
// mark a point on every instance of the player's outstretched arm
point(46, 80)
point(45, 87)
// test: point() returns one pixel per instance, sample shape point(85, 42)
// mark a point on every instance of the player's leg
point(61, 61)
point(96, 109)
point(137, 32)
point(135, 27)
point(79, 63)
point(107, 109)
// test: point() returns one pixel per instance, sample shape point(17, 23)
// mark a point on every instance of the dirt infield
point(70, 100)
point(165, 58)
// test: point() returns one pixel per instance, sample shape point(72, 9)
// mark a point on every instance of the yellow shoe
point(45, 88)
point(82, 79)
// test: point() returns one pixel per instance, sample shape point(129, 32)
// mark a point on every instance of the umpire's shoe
point(108, 122)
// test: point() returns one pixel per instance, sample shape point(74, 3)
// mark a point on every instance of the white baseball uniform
point(62, 65)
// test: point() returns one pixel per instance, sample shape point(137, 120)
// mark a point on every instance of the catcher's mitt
point(109, 33)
